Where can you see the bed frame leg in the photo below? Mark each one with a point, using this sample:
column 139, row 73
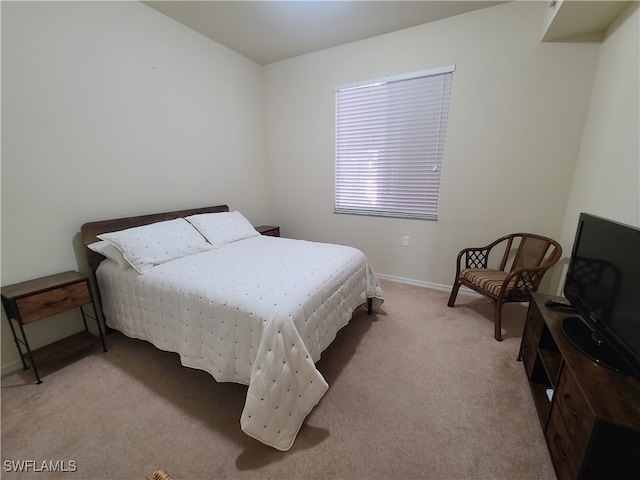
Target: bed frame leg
column 369, row 306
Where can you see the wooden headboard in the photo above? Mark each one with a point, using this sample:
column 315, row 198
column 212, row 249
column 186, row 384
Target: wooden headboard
column 91, row 230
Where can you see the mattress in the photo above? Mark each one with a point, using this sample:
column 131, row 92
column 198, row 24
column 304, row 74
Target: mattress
column 259, row 312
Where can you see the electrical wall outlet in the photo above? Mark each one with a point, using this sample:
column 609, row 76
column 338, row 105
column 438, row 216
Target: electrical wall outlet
column 405, row 241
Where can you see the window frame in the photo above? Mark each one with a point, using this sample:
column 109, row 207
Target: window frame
column 403, row 200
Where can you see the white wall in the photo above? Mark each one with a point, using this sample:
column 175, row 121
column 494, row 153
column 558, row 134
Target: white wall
column 112, row 109
column 607, row 176
column 517, row 112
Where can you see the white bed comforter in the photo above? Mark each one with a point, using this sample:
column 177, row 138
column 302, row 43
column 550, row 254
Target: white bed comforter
column 258, row 311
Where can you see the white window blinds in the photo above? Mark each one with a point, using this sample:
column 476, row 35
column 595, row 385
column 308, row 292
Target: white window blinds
column 390, row 136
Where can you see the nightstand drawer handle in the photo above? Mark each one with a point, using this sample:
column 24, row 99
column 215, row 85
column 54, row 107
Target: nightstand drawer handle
column 558, row 443
column 568, row 400
column 55, row 304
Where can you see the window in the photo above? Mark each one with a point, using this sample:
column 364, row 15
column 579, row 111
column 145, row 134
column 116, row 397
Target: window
column 390, row 136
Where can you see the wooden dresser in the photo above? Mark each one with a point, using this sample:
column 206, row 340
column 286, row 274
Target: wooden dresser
column 590, row 415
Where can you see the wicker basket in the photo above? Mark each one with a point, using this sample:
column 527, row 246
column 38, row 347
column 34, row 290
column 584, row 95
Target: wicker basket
column 159, row 475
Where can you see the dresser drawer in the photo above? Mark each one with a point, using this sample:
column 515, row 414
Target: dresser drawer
column 61, row 299
column 577, row 415
column 561, row 446
column 528, row 352
column 534, row 324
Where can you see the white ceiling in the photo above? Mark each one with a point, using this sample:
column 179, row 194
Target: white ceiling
column 270, row 31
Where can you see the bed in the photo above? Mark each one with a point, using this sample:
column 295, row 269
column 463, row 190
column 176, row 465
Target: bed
column 247, row 308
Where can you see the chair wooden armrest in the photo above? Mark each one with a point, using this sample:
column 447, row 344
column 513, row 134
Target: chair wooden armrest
column 478, row 257
column 525, row 281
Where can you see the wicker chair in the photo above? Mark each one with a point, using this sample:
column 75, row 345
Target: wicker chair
column 534, row 255
column 159, row 475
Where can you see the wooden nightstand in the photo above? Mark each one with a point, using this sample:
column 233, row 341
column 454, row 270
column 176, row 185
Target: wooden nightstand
column 269, row 230
column 34, row 300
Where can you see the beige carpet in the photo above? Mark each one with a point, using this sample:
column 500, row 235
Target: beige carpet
column 418, row 390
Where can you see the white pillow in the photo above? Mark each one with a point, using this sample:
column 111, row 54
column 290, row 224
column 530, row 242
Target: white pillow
column 150, row 245
column 105, row 249
column 223, row 227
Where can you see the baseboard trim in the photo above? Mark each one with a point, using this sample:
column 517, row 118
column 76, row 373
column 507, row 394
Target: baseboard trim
column 411, row 281
column 11, row 367
column 420, row 283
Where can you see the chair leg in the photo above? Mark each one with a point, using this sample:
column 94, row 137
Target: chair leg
column 454, row 293
column 498, row 320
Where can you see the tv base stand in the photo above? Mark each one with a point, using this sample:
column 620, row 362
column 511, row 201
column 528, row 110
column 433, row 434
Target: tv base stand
column 590, row 415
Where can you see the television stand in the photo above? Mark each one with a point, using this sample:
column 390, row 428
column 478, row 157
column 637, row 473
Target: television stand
column 590, row 415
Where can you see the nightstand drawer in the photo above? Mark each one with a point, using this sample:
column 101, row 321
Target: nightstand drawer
column 578, row 417
column 61, row 299
column 561, row 447
column 528, row 352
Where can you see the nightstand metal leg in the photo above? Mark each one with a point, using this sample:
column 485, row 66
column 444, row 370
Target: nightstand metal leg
column 31, row 360
column 15, row 339
column 96, row 318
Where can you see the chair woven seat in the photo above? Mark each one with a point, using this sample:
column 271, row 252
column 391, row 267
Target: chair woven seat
column 530, row 256
column 487, row 279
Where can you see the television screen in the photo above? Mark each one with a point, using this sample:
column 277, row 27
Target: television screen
column 603, row 284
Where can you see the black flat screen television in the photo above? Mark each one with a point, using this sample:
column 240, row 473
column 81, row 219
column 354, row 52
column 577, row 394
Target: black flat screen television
column 603, row 284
